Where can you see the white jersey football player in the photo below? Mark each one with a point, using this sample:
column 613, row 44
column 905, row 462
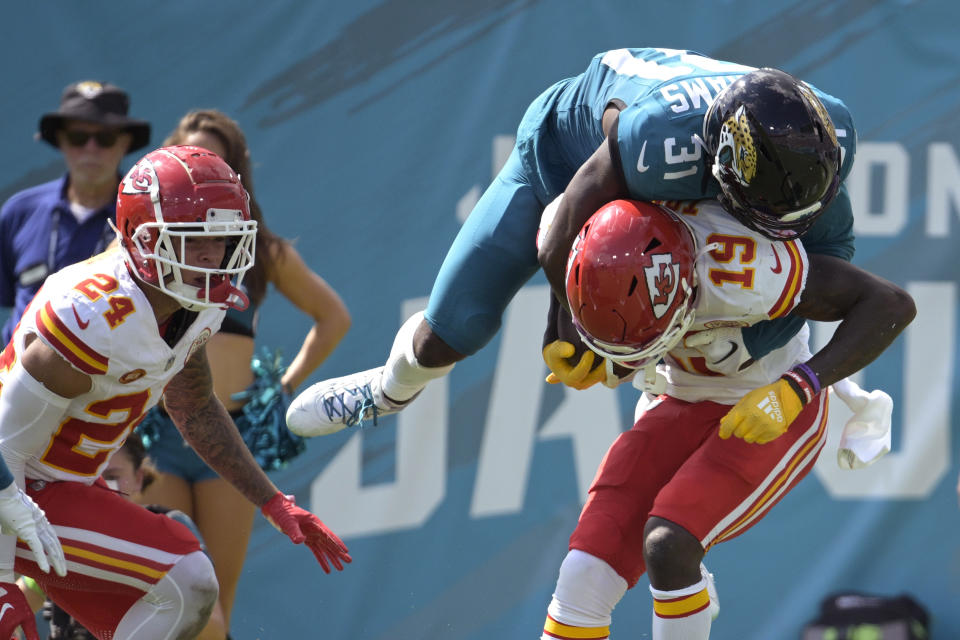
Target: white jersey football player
column 646, row 283
column 102, row 342
column 742, row 278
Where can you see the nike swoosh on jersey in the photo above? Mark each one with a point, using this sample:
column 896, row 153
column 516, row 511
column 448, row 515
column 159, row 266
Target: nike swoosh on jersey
column 778, row 268
column 83, row 324
column 640, row 166
column 4, row 608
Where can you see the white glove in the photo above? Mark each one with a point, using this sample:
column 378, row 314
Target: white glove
column 722, row 348
column 20, row 516
column 866, row 436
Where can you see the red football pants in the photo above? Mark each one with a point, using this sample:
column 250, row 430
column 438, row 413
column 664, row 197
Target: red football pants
column 673, row 464
column 115, row 550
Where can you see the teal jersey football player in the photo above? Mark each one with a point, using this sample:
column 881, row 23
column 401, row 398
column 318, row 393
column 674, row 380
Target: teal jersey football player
column 662, row 96
column 643, row 124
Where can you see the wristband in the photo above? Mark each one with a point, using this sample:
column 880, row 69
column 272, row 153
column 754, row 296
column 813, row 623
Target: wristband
column 803, row 381
column 811, row 377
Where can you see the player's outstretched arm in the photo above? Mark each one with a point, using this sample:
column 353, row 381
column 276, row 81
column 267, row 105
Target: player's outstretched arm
column 209, row 429
column 872, row 313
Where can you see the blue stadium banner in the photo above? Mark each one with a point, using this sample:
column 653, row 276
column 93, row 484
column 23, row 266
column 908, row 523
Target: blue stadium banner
column 374, row 127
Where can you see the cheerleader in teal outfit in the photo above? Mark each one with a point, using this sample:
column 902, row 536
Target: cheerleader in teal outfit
column 254, row 388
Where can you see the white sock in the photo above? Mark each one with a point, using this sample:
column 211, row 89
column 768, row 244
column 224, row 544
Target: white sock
column 404, row 377
column 683, row 614
column 582, row 606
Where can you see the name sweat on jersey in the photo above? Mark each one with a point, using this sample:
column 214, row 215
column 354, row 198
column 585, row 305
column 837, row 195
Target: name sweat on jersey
column 96, row 316
column 745, row 279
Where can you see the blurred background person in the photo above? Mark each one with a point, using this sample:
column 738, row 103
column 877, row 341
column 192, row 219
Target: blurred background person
column 63, row 221
column 255, row 389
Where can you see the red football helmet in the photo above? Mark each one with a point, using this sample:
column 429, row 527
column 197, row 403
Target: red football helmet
column 176, row 194
column 630, row 281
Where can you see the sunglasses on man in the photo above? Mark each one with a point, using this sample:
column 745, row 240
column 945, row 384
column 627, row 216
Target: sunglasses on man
column 104, row 139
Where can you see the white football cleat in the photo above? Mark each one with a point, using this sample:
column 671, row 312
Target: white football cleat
column 711, row 591
column 332, row 405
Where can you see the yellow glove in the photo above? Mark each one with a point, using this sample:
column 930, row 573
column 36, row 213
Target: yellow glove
column 581, row 376
column 763, row 414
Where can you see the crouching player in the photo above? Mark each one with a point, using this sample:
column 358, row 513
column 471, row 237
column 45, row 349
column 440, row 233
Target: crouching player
column 645, row 283
column 99, row 345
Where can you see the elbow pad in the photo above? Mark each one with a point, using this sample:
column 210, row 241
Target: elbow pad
column 29, row 414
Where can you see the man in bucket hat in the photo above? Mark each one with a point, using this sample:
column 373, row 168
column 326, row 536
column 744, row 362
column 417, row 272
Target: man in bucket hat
column 52, row 225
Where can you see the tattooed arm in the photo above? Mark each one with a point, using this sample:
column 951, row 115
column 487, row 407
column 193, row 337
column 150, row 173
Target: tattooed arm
column 209, row 429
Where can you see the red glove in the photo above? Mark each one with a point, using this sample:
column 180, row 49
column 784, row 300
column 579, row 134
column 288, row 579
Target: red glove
column 302, row 526
column 15, row 612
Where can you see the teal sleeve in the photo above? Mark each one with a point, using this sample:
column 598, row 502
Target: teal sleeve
column 831, row 235
column 764, row 337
